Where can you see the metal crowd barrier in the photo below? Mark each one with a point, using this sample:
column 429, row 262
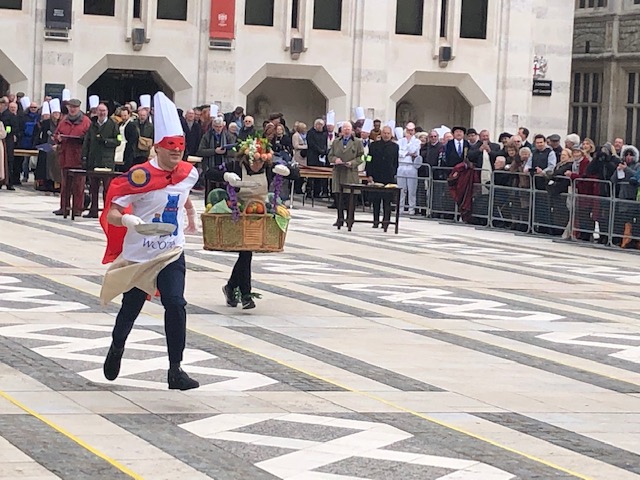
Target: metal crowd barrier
column 442, row 203
column 511, row 205
column 592, row 209
column 625, row 223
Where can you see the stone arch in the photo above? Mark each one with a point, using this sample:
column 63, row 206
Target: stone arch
column 13, row 76
column 336, row 98
column 458, row 95
column 167, row 71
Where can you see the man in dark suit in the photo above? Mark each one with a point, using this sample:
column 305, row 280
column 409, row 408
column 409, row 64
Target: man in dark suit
column 474, row 139
column 457, row 149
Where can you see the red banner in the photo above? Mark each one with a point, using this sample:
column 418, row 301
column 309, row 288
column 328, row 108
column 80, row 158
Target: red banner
column 223, row 15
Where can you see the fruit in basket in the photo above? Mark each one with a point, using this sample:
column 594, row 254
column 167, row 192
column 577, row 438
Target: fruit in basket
column 220, row 207
column 209, row 207
column 283, row 211
column 255, row 208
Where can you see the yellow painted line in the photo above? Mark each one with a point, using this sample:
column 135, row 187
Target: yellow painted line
column 72, row 437
column 364, row 394
column 401, row 408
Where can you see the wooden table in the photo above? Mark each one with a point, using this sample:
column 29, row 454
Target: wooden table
column 94, row 188
column 353, row 190
column 317, row 173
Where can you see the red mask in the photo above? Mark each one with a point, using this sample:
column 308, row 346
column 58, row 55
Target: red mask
column 173, row 143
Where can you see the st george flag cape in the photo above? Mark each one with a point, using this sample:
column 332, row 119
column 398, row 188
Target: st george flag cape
column 140, row 179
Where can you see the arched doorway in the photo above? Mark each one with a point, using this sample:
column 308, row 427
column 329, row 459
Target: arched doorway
column 4, row 86
column 118, row 86
column 430, row 106
column 299, row 100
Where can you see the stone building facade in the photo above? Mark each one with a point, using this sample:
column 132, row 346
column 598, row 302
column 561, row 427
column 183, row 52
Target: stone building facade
column 605, row 86
column 434, row 62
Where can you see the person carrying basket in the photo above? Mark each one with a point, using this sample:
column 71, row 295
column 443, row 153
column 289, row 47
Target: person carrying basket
column 255, row 213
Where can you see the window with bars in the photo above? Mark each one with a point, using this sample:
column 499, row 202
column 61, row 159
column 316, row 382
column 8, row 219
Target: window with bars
column 172, row 10
column 409, row 15
column 594, row 3
column 327, row 15
column 11, row 4
column 258, row 12
column 586, row 97
column 633, row 108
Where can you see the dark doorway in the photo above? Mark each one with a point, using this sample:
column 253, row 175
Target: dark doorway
column 117, row 87
column 4, row 86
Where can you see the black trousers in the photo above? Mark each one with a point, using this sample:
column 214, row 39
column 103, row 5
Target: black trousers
column 15, row 170
column 171, row 287
column 241, row 274
column 378, row 199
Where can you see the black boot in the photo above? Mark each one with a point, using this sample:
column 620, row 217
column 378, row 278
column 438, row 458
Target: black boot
column 112, row 363
column 179, row 380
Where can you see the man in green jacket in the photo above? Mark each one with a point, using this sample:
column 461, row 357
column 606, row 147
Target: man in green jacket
column 99, row 149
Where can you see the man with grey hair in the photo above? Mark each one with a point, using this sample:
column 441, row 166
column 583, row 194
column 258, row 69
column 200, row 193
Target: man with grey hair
column 248, row 129
column 215, row 145
column 571, row 140
column 144, row 141
column 345, row 155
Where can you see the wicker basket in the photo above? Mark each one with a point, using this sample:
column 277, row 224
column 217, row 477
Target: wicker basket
column 252, row 232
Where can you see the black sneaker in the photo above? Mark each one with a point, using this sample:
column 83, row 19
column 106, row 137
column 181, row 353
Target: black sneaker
column 112, row 363
column 247, row 302
column 179, row 380
column 230, row 296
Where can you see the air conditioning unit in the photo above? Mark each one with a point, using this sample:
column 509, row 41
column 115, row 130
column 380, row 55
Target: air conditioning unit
column 220, row 44
column 59, row 35
column 138, row 38
column 444, row 56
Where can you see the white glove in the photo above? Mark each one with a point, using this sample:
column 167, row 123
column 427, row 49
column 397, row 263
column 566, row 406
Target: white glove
column 192, row 227
column 231, row 178
column 281, row 170
column 130, row 221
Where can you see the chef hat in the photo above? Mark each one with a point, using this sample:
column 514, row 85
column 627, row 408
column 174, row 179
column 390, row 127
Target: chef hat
column 360, row 113
column 25, row 102
column 66, row 95
column 367, row 126
column 166, row 120
column 46, row 110
column 391, row 124
column 54, row 105
column 213, row 110
column 145, row 101
column 331, row 117
column 399, row 131
column 94, row 101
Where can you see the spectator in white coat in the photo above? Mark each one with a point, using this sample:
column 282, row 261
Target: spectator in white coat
column 409, row 161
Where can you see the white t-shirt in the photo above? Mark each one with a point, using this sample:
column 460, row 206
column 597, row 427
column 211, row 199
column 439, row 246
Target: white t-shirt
column 166, row 206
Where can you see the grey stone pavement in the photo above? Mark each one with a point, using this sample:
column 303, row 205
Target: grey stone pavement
column 445, row 352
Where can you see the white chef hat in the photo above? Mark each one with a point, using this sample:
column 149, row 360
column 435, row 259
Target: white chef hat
column 399, row 131
column 360, row 113
column 145, row 101
column 46, row 110
column 54, row 105
column 66, row 95
column 94, row 101
column 391, row 124
column 166, row 120
column 213, row 110
column 25, row 102
column 367, row 126
column 331, row 117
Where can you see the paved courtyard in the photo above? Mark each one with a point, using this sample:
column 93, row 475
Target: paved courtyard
column 445, row 352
